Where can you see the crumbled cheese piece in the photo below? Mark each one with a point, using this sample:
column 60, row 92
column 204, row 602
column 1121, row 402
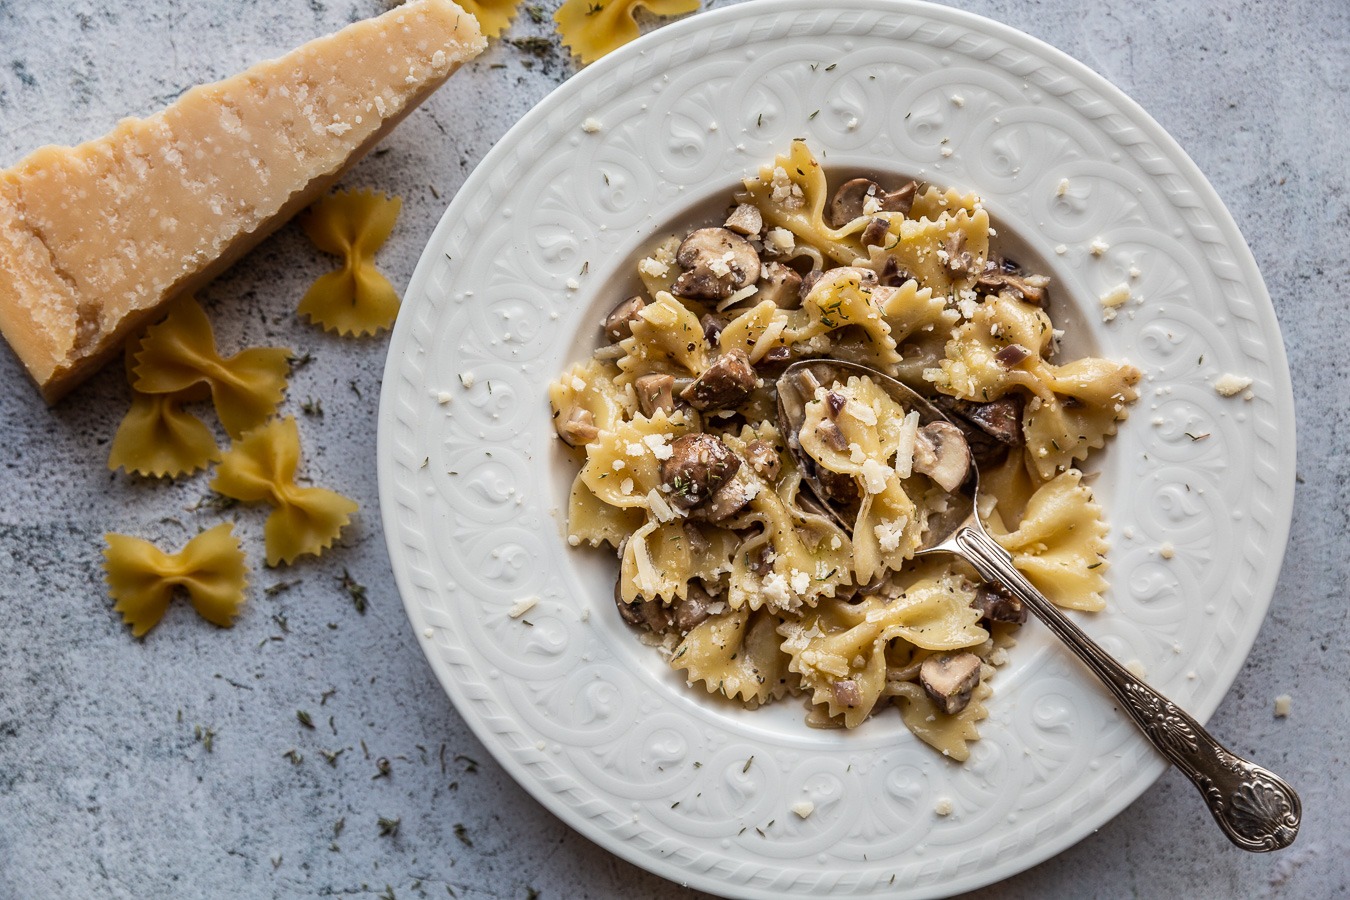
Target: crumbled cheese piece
column 573, row 540
column 958, row 101
column 943, row 807
column 888, row 533
column 578, row 383
column 653, row 267
column 1282, row 704
column 905, row 442
column 871, row 205
column 874, row 475
column 618, row 465
column 775, row 590
column 443, row 397
column 1230, row 385
column 967, row 305
column 999, row 657
column 856, row 454
column 835, row 542
column 659, row 507
column 946, row 151
column 801, row 581
column 785, row 191
column 780, row 240
column 633, row 448
column 1062, row 188
column 1113, row 299
column 591, row 125
column 862, row 412
column 752, row 490
column 659, row 444
column 1061, row 249
column 803, row 808
column 1134, row 272
column 1167, row 551
column 1136, row 668
column 720, row 266
column 852, row 123
column 339, row 128
column 466, row 379
column 1098, row 247
column 573, row 284
column 626, row 487
column 521, row 607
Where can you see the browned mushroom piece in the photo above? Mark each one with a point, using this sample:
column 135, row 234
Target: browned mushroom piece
column 780, row 285
column 713, row 325
column 1011, row 356
column 655, row 391
column 959, row 260
column 763, row 458
column 846, row 693
column 723, row 385
column 649, row 614
column 694, row 609
column 731, row 497
column 900, row 200
column 892, row 275
column 774, row 361
column 874, row 235
column 717, row 263
column 809, row 281
column 850, row 200
column 745, row 219
column 998, row 604
column 698, row 465
column 941, row 453
column 1006, row 277
column 578, row 429
column 949, row 679
column 761, row 563
column 619, row 323
column 1001, row 419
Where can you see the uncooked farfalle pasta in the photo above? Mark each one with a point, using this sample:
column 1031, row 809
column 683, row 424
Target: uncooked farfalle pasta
column 727, row 564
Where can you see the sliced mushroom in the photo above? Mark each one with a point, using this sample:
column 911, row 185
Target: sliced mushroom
column 655, row 392
column 774, row 361
column 809, row 281
column 578, row 429
column 723, row 385
column 698, row 465
column 874, row 235
column 745, row 219
column 1006, row 277
column 780, row 285
column 1001, row 419
column 731, row 497
column 619, row 323
column 718, row 263
column 713, row 325
column 1012, row 355
column 846, row 693
column 900, row 200
column 950, row 679
column 850, row 200
column 997, row 604
column 764, row 459
column 694, row 609
column 892, row 275
column 762, row 562
column 649, row 614
column 959, row 260
column 941, row 453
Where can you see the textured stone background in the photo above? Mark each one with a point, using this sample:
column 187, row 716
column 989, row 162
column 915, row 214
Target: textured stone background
column 106, row 788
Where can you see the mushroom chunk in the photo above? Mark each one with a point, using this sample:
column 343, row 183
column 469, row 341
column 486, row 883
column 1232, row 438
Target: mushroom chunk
column 941, row 453
column 775, row 360
column 745, row 219
column 763, row 458
column 723, row 385
column 717, row 263
column 578, row 429
column 950, row 679
column 655, row 392
column 713, row 325
column 649, row 614
column 846, row 693
column 809, row 281
column 959, row 260
column 1011, row 356
column 733, row 496
column 1006, row 277
column 698, row 465
column 850, row 200
column 874, row 235
column 996, row 604
column 780, row 285
column 1001, row 419
column 694, row 609
column 619, row 323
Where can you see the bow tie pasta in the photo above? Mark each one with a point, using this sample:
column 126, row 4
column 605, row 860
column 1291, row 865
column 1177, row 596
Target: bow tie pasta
column 727, row 563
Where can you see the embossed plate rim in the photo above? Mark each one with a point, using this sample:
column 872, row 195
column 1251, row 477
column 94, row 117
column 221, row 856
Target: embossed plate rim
column 393, row 472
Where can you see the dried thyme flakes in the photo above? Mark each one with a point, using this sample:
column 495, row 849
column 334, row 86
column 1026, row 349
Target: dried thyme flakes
column 388, row 827
column 304, row 718
column 355, row 590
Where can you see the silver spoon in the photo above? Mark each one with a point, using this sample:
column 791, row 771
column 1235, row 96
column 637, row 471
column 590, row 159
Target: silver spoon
column 1254, row 806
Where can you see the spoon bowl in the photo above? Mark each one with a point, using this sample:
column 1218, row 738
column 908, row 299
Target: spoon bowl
column 1256, row 809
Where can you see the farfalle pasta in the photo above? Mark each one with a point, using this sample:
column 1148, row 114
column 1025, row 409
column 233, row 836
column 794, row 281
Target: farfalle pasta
column 260, row 468
column 210, row 569
column 180, row 353
column 592, row 28
column 493, row 15
column 724, row 558
column 356, row 299
column 157, row 437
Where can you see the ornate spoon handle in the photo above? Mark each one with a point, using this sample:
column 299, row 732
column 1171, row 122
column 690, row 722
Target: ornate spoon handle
column 1254, row 806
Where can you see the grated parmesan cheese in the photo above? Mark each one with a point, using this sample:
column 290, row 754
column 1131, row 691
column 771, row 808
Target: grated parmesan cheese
column 803, row 808
column 521, row 607
column 1230, row 385
column 653, row 267
column 905, row 442
column 775, row 589
column 780, row 240
column 888, row 533
column 874, row 475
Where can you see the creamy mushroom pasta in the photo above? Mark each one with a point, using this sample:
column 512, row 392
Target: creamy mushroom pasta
column 726, row 561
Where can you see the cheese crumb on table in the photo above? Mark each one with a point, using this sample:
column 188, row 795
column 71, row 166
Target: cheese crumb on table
column 1098, row 247
column 1230, row 385
column 1113, row 299
column 943, row 807
column 1282, row 704
column 521, row 607
column 591, row 125
column 803, row 808
column 1167, row 551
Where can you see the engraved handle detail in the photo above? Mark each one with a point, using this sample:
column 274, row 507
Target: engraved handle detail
column 1254, row 806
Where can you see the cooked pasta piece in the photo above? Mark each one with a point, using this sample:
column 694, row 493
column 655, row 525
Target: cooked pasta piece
column 157, row 437
column 356, row 299
column 180, row 353
column 142, row 578
column 260, row 468
column 737, row 655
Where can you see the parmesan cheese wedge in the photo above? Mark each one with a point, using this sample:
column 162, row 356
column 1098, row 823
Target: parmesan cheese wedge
column 95, row 239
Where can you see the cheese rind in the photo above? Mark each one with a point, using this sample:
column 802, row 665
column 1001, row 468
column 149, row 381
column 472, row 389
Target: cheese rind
column 94, row 239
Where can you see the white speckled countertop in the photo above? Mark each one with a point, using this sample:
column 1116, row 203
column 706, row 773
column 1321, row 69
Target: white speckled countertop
column 109, row 784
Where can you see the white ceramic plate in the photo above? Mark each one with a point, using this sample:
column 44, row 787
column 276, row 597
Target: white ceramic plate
column 532, row 252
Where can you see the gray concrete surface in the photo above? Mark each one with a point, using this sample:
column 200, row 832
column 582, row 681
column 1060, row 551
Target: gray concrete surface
column 164, row 768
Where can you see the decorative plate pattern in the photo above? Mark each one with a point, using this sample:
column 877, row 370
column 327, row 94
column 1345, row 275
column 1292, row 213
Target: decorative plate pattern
column 529, row 256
